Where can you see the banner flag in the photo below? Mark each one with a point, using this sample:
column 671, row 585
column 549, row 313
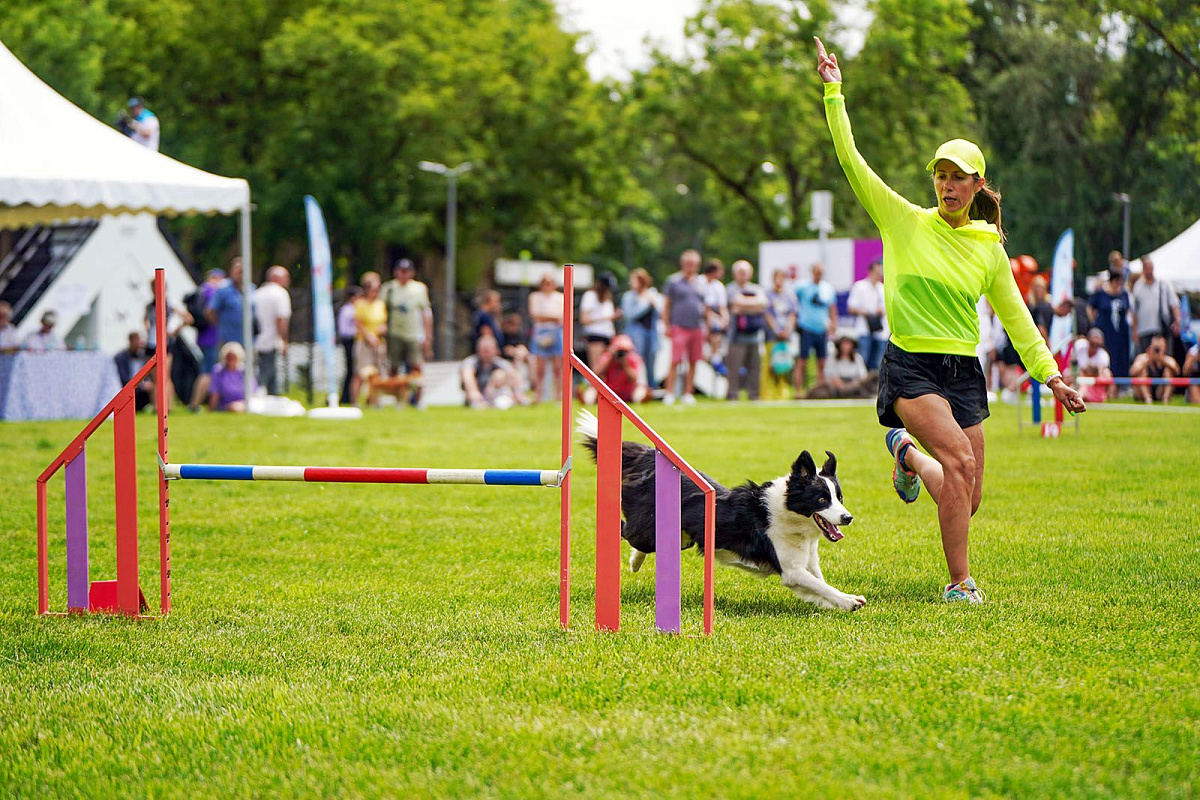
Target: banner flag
column 322, row 269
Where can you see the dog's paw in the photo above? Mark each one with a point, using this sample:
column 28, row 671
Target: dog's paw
column 849, row 602
column 635, row 560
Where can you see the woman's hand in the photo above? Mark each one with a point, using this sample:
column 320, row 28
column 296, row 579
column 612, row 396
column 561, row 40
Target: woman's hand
column 827, row 66
column 1071, row 399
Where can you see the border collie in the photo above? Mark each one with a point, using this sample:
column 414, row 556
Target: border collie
column 767, row 529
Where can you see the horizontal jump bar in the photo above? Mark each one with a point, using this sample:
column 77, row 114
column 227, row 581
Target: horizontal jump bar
column 1089, row 381
column 480, row 477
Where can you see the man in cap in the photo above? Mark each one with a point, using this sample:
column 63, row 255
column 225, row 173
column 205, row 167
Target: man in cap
column 44, row 339
column 409, row 323
column 141, row 124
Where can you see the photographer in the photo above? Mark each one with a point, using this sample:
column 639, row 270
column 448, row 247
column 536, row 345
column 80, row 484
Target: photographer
column 623, row 370
column 139, row 123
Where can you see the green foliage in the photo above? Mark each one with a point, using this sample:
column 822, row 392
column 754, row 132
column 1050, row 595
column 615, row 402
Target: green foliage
column 344, row 641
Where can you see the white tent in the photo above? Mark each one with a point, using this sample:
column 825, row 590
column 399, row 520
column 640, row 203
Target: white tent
column 1177, row 261
column 59, row 163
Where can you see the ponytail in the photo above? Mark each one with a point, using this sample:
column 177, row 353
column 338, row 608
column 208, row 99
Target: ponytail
column 986, row 206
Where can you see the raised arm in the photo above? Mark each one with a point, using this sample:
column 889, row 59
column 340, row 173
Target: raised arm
column 885, row 206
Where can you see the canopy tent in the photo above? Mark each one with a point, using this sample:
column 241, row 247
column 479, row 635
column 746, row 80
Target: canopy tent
column 59, row 163
column 1177, row 261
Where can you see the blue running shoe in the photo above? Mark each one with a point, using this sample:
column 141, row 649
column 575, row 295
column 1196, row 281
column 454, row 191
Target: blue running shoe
column 963, row 592
column 907, row 482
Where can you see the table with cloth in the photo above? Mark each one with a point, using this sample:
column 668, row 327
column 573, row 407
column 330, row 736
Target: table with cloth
column 56, row 385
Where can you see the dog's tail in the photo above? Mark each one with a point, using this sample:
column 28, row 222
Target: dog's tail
column 588, row 427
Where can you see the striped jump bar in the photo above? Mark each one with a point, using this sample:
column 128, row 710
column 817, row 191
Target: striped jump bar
column 481, row 477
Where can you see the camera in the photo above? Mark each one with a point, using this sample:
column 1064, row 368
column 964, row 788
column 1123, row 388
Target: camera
column 622, row 353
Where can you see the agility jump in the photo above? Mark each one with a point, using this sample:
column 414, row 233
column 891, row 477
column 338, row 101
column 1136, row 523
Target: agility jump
column 124, row 595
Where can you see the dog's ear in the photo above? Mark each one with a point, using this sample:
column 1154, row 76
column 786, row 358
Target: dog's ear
column 804, row 467
column 830, row 466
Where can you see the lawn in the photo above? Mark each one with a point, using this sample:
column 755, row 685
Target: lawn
column 340, row 640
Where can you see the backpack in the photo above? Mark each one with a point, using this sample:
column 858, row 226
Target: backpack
column 195, row 303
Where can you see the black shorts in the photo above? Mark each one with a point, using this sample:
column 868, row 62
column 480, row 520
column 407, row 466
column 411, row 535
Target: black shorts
column 593, row 338
column 959, row 379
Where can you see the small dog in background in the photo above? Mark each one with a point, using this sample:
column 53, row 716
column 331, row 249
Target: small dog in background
column 768, row 529
column 397, row 386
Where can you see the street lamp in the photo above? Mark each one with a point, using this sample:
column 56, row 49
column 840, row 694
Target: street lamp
column 1124, row 198
column 451, row 174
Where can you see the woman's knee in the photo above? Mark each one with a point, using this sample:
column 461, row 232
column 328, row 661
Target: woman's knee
column 958, row 465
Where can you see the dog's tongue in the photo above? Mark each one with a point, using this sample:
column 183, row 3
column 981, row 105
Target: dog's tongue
column 833, row 535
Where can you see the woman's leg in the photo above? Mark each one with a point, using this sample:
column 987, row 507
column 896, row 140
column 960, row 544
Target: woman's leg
column 594, row 351
column 952, row 473
column 558, row 368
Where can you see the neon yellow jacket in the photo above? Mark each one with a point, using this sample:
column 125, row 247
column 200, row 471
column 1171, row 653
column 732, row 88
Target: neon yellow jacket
column 934, row 274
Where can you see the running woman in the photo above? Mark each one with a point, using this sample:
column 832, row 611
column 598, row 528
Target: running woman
column 939, row 262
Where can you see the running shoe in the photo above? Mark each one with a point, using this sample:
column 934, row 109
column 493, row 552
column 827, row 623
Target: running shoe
column 688, row 400
column 906, row 482
column 963, row 592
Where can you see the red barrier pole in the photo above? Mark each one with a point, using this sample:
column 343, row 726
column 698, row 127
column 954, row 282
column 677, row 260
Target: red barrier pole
column 564, row 498
column 160, row 400
column 42, row 550
column 125, row 474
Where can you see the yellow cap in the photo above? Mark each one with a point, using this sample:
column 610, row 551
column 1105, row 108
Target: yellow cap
column 966, row 155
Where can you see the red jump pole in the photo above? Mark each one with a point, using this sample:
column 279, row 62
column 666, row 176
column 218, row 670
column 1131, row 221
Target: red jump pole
column 564, row 498
column 42, row 550
column 160, row 401
column 125, row 473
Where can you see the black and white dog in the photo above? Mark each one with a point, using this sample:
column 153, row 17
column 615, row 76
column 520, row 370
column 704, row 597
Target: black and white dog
column 767, row 529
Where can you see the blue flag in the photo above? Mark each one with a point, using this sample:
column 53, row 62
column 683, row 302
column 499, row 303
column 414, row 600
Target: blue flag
column 322, row 275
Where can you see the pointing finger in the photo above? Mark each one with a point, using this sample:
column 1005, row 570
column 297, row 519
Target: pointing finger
column 820, row 47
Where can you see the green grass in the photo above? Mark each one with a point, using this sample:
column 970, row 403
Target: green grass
column 403, row 641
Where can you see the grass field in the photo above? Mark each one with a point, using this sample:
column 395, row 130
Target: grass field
column 403, row 641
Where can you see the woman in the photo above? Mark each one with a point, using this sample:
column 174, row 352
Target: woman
column 370, row 337
column 598, row 314
column 941, row 260
column 347, row 330
column 228, row 389
column 546, row 342
column 640, row 310
column 846, row 373
column 1108, row 310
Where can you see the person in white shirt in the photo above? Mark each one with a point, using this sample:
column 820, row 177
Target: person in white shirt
column 10, row 340
column 598, row 313
column 1092, row 361
column 141, row 124
column 44, row 339
column 716, row 313
column 273, row 310
column 865, row 303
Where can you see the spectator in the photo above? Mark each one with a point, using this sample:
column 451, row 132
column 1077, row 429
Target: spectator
column 870, row 315
column 273, row 310
column 782, row 312
column 514, row 343
column 128, row 362
column 1154, row 363
column 747, row 312
column 1092, row 361
column 683, row 308
column 225, row 308
column 546, row 343
column 140, row 124
column 485, row 321
column 206, row 333
column 640, row 310
column 44, row 339
column 716, row 313
column 1117, row 265
column 488, row 380
column 1109, row 311
column 409, row 323
column 229, row 380
column 1155, row 308
column 370, row 330
column 598, row 314
column 10, row 340
column 1039, row 306
column 1191, row 369
column 817, row 320
column 846, row 374
column 623, row 370
column 346, row 330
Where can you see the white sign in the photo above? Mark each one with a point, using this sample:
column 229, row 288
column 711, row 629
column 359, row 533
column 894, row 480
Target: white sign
column 512, row 272
column 797, row 256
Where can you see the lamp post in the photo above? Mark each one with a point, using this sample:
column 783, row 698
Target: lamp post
column 1124, row 199
column 451, row 174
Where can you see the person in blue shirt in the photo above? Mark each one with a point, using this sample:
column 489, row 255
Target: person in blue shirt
column 224, row 308
column 140, row 124
column 816, row 321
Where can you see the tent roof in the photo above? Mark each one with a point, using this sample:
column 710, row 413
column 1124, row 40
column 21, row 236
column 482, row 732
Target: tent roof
column 57, row 162
column 1178, row 261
